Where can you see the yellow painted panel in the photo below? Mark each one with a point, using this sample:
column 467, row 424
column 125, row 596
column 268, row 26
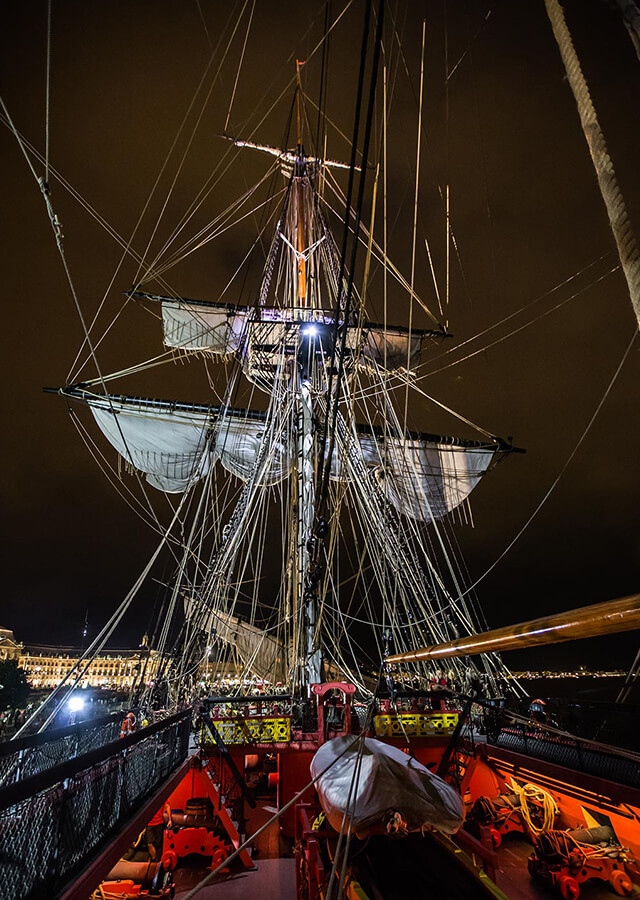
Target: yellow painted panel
column 416, row 724
column 254, row 731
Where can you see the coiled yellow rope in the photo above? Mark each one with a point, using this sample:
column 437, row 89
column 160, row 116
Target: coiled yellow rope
column 540, row 800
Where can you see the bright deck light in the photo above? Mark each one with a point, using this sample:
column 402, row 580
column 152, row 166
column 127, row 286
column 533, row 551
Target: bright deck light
column 75, row 704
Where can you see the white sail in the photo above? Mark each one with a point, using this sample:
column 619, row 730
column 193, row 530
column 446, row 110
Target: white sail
column 220, row 329
column 175, row 445
column 260, row 652
column 175, row 448
column 427, row 479
column 213, row 329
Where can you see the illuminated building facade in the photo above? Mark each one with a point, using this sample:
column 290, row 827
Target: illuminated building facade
column 9, row 647
column 45, row 667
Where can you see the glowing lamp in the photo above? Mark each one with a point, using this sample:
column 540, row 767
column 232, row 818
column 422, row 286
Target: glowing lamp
column 75, row 704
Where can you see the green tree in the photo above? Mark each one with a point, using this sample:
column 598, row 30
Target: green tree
column 14, row 688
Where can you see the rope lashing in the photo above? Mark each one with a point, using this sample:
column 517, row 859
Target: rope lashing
column 56, row 224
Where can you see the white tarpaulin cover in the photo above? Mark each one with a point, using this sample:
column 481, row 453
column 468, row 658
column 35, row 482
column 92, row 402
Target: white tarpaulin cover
column 389, row 780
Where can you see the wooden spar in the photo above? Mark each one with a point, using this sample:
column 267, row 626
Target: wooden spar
column 588, row 621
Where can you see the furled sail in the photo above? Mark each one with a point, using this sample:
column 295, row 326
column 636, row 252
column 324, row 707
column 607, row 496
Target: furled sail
column 176, row 444
column 423, row 476
column 260, row 651
column 392, row 348
column 427, row 478
column 221, row 329
column 212, row 328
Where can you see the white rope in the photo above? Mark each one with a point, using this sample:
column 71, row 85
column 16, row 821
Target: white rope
column 47, row 95
column 562, row 470
column 415, row 222
column 235, row 84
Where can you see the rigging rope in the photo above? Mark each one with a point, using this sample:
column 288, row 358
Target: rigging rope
column 415, row 222
column 324, row 482
column 204, row 25
column 235, row 84
column 48, row 80
column 562, row 470
column 625, row 239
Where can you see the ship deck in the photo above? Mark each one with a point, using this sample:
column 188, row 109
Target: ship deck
column 513, row 878
column 247, row 782
column 272, row 879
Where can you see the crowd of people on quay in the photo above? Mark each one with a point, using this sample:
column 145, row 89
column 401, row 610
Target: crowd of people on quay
column 79, row 706
column 255, row 698
column 11, row 720
column 438, row 692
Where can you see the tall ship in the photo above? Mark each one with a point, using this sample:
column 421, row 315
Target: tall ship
column 328, row 714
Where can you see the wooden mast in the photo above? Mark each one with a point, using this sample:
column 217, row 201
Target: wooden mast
column 588, row 621
column 300, row 230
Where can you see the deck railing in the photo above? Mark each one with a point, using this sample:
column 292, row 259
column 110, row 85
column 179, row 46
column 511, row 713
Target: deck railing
column 591, row 757
column 26, row 756
column 52, row 823
column 544, row 740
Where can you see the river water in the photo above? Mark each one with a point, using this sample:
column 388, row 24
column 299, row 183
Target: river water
column 585, row 688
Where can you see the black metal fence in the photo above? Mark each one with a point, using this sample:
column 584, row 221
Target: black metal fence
column 26, row 756
column 54, row 822
column 621, row 766
column 596, row 720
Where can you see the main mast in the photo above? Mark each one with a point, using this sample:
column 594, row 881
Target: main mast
column 306, row 606
column 286, row 346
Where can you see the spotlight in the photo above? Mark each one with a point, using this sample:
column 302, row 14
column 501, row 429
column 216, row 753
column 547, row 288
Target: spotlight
column 310, row 330
column 75, row 704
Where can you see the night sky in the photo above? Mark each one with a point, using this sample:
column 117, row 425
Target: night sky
column 525, row 210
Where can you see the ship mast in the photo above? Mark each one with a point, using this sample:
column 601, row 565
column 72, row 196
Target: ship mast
column 300, row 229
column 306, row 606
